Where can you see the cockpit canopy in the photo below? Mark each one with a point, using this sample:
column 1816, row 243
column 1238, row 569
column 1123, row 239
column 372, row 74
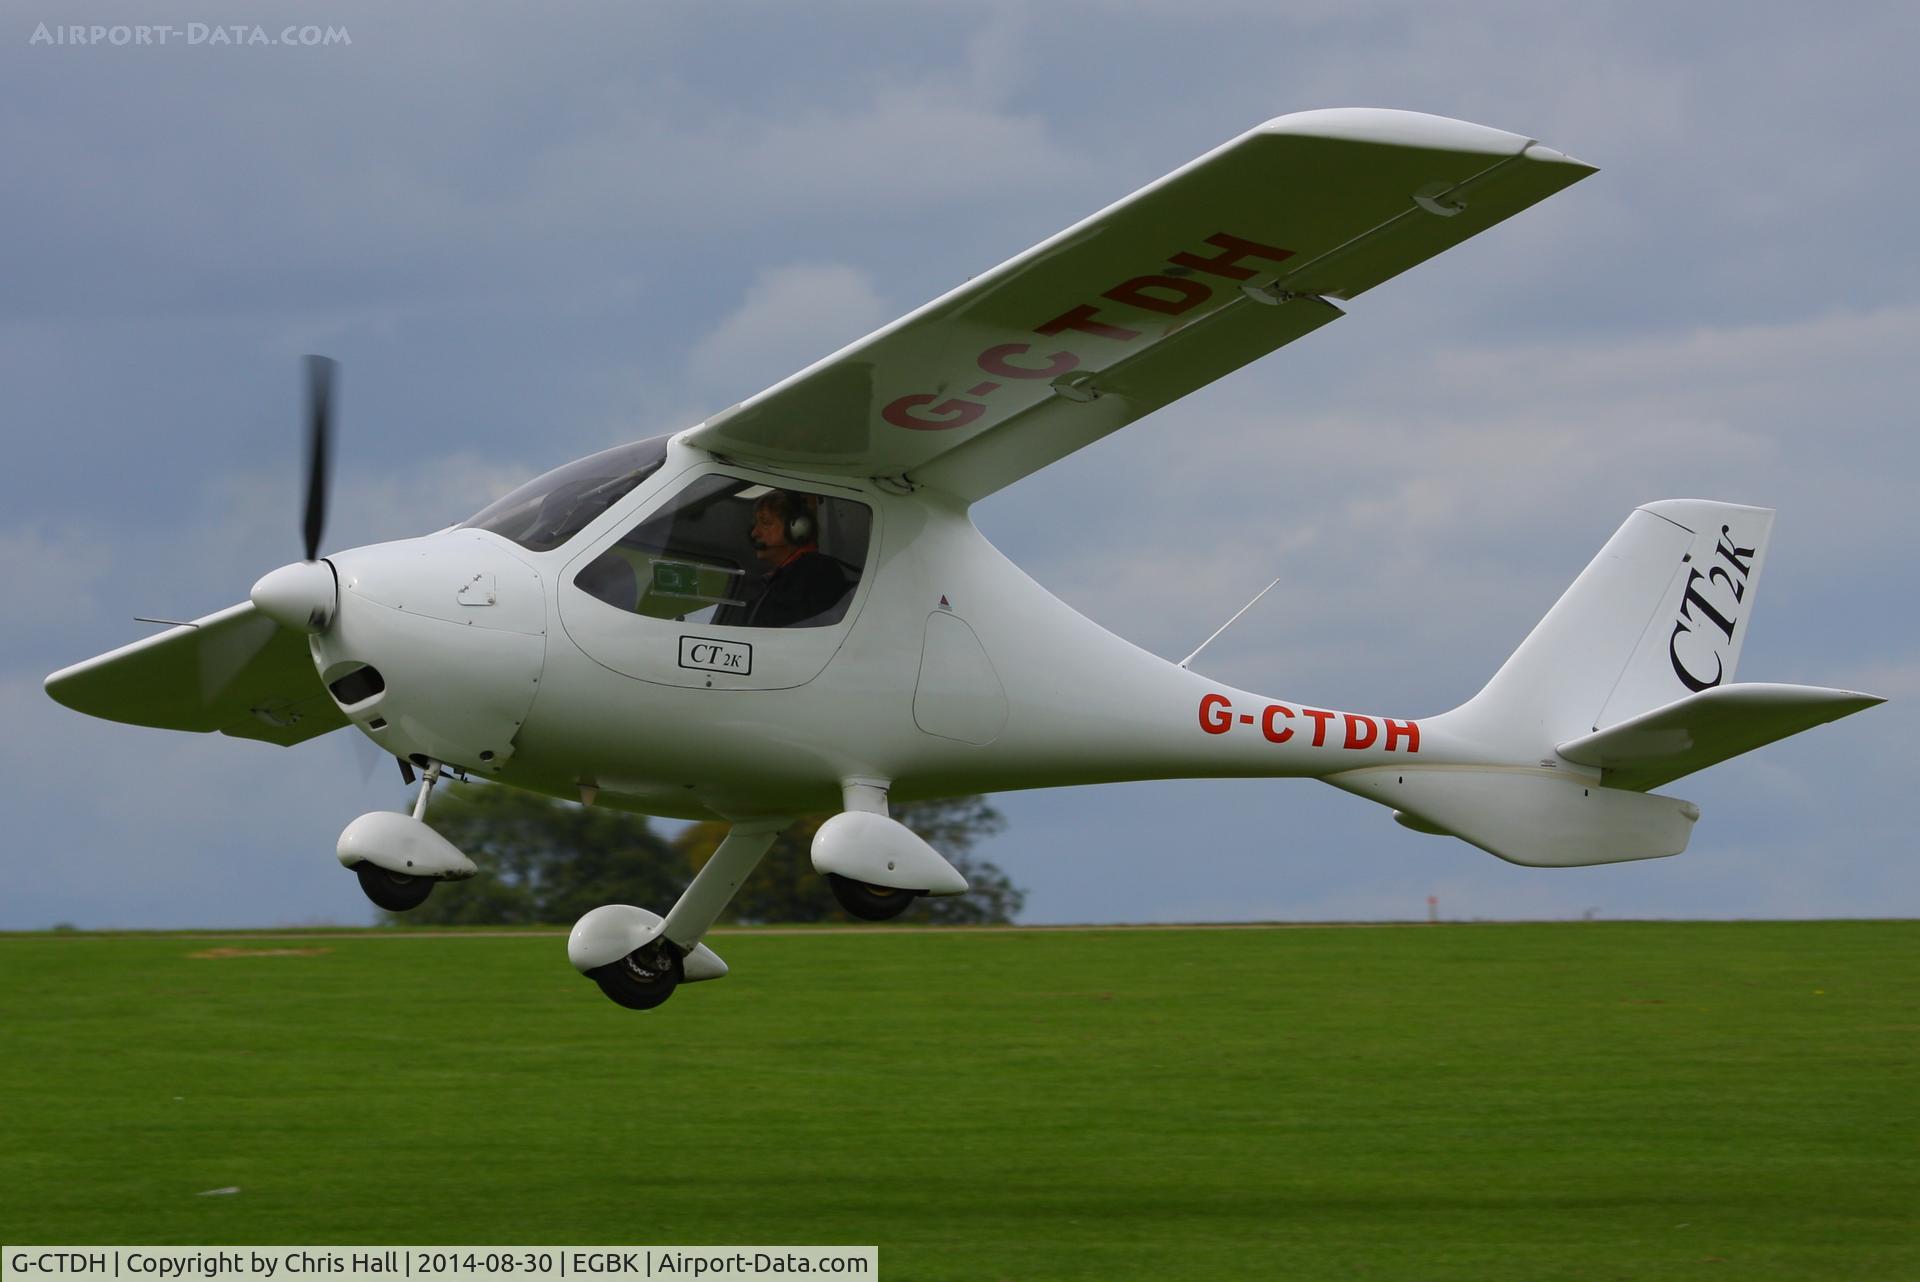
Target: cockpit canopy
column 550, row 509
column 733, row 552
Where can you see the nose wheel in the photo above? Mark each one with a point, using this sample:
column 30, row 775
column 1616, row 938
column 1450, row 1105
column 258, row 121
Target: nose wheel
column 397, row 858
column 396, row 892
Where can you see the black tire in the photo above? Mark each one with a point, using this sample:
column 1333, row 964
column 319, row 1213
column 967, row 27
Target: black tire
column 394, row 891
column 869, row 902
column 643, row 978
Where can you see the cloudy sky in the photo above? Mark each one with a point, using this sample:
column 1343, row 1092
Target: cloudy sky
column 530, row 236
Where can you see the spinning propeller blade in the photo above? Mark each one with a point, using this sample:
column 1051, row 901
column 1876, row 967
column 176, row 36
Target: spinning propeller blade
column 302, row 596
column 320, row 377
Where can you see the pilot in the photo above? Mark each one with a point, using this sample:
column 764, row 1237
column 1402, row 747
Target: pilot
column 801, row 581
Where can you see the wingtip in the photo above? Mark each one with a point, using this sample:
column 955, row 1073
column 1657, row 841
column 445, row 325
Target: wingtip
column 52, row 683
column 1392, row 127
column 1546, row 155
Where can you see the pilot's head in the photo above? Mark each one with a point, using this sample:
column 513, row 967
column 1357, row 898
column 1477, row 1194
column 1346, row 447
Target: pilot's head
column 783, row 523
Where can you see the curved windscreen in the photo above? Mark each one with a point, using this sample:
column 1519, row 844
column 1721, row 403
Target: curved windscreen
column 550, row 509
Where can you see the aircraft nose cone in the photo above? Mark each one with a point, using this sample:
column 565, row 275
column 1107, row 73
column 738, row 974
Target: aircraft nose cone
column 301, row 596
column 454, row 627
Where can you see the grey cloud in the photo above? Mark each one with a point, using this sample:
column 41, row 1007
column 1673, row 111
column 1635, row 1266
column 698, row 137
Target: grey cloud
column 791, row 317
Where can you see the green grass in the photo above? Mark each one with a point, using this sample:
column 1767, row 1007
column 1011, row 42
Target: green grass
column 1591, row 1101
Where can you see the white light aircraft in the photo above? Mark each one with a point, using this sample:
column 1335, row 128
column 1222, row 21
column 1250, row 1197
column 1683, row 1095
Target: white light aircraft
column 786, row 608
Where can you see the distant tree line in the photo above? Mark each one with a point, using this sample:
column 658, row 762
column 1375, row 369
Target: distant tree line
column 544, row 861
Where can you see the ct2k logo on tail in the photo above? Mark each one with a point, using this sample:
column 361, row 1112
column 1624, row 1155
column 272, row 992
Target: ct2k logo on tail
column 1276, row 725
column 1709, row 612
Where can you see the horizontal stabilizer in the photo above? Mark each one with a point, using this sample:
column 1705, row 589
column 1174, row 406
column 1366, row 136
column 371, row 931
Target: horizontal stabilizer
column 1696, row 732
column 235, row 671
column 1531, row 817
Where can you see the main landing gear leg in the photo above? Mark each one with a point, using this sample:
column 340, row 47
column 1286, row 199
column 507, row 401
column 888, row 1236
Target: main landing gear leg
column 740, row 852
column 650, row 954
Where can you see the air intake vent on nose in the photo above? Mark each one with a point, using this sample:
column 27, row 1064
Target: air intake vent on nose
column 358, row 686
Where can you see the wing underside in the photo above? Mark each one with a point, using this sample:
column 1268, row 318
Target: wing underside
column 236, row 671
column 1222, row 261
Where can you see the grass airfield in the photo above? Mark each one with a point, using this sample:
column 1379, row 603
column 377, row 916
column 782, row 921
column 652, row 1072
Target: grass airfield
column 1579, row 1101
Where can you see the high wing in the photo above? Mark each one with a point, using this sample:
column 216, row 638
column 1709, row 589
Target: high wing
column 235, row 671
column 1226, row 259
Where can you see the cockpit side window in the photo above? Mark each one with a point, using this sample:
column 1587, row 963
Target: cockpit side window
column 548, row 510
column 738, row 553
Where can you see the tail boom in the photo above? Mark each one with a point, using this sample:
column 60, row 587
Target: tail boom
column 1537, row 817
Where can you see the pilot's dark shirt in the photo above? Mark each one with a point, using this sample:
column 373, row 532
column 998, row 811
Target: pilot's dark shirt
column 808, row 585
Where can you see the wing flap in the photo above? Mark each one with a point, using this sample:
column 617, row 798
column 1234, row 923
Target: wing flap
column 1706, row 728
column 235, row 671
column 1146, row 300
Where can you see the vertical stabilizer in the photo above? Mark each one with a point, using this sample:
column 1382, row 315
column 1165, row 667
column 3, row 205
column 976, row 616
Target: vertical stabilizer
column 1693, row 641
column 1660, row 614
